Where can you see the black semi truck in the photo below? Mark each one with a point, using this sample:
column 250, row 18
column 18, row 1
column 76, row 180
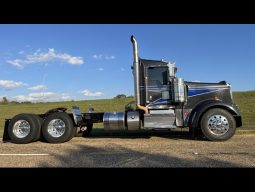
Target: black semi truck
column 162, row 102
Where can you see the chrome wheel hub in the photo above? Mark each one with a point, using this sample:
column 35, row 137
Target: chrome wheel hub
column 218, row 125
column 21, row 129
column 56, row 128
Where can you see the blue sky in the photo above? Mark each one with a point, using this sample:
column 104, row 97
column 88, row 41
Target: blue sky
column 64, row 62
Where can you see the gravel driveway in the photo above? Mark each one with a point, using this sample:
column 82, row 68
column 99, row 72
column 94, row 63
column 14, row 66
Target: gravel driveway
column 132, row 150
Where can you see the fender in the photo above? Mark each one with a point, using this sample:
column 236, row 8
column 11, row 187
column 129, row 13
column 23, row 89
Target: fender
column 6, row 137
column 204, row 106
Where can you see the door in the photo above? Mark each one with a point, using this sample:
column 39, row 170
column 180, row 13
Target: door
column 158, row 87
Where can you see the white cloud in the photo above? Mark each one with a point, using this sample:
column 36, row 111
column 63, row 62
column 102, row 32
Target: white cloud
column 101, row 56
column 42, row 57
column 100, row 69
column 42, row 97
column 16, row 63
column 65, row 97
column 35, row 97
column 37, row 88
column 196, row 81
column 9, row 84
column 88, row 93
column 109, row 57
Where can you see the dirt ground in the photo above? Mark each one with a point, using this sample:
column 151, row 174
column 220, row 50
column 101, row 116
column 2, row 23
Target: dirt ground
column 132, row 150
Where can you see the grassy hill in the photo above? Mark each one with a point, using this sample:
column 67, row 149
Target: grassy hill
column 245, row 101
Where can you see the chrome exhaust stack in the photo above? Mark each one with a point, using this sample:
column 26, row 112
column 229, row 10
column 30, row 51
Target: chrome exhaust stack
column 136, row 71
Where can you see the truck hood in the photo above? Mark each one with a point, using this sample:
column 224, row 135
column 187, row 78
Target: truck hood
column 199, row 88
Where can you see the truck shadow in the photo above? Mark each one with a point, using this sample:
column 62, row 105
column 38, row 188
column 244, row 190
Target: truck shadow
column 145, row 134
column 113, row 155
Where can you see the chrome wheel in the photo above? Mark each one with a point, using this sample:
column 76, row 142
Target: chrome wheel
column 21, row 129
column 56, row 128
column 218, row 125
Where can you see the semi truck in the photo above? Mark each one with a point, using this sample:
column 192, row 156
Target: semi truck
column 162, row 102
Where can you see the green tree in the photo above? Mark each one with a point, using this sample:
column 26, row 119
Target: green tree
column 120, row 96
column 5, row 100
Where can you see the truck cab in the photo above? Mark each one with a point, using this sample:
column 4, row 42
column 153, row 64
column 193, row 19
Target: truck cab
column 170, row 102
column 157, row 84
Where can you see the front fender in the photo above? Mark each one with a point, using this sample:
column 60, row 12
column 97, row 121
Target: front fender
column 197, row 113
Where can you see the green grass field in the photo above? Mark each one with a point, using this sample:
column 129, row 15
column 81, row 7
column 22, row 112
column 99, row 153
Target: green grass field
column 245, row 101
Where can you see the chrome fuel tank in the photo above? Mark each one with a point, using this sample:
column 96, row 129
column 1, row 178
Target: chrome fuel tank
column 114, row 120
column 133, row 120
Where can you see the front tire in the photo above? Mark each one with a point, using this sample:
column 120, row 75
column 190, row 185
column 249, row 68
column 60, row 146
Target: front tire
column 218, row 125
column 57, row 128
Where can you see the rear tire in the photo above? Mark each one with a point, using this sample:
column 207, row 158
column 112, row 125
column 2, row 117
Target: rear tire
column 40, row 122
column 23, row 128
column 218, row 125
column 72, row 134
column 57, row 128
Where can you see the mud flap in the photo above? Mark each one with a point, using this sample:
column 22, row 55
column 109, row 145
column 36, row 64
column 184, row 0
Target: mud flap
column 6, row 137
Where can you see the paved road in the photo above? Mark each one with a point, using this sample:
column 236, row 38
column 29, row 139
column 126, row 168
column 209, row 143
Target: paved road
column 132, row 150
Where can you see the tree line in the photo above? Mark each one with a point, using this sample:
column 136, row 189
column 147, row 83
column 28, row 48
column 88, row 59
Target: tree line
column 121, row 96
column 5, row 101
